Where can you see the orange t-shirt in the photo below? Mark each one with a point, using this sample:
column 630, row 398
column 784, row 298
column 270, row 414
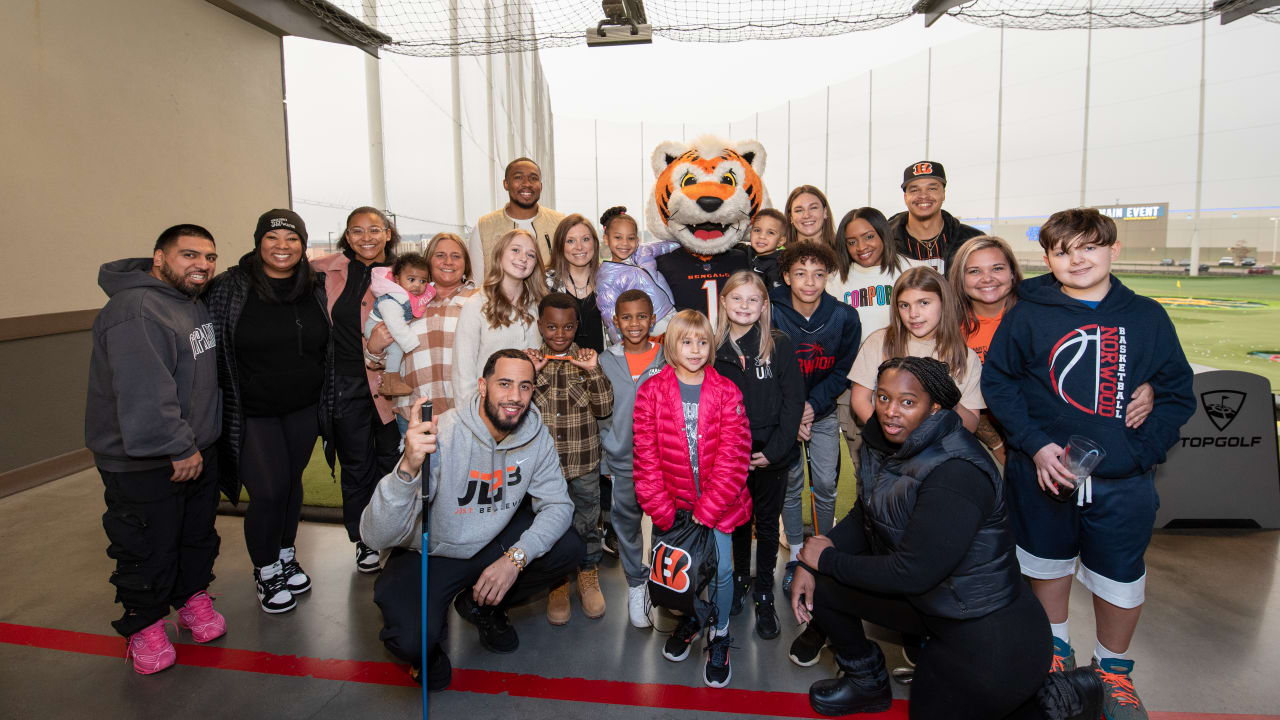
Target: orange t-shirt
column 980, row 340
column 637, row 362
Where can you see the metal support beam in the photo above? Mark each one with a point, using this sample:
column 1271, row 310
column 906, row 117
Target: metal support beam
column 934, row 9
column 293, row 18
column 1231, row 10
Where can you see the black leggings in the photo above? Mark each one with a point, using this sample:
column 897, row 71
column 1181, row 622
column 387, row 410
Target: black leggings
column 766, row 485
column 988, row 667
column 274, row 454
column 367, row 448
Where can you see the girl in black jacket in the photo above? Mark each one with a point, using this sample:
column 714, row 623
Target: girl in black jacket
column 762, row 363
column 927, row 550
column 275, row 367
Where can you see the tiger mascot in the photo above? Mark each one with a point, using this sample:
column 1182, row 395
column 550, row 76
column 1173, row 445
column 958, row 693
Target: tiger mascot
column 705, row 196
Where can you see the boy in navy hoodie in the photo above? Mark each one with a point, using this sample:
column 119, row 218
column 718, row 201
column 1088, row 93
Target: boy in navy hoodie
column 825, row 334
column 1064, row 362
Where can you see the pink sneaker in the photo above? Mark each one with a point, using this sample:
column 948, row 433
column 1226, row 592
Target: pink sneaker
column 204, row 622
column 151, row 649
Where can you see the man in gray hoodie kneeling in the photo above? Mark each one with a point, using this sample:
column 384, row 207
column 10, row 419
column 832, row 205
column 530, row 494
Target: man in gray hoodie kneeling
column 500, row 518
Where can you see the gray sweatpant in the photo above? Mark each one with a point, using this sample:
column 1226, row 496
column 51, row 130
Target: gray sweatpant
column 824, row 459
column 626, row 516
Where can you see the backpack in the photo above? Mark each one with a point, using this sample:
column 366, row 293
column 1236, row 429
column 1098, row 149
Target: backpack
column 683, row 563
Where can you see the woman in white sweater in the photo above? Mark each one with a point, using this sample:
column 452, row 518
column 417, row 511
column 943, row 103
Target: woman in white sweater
column 503, row 315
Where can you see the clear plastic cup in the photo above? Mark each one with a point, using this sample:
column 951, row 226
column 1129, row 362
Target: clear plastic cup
column 1080, row 457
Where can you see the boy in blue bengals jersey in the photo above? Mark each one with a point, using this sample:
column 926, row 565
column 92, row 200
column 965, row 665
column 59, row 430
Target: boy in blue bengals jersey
column 1064, row 362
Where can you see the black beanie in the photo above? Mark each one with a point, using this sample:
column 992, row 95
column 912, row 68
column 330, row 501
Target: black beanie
column 277, row 219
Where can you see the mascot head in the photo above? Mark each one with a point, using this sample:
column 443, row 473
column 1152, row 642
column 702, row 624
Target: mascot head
column 706, row 192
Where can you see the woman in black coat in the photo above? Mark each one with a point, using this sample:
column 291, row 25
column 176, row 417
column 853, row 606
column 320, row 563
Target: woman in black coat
column 927, row 550
column 275, row 367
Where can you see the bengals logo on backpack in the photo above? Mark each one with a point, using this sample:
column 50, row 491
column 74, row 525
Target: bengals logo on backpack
column 670, row 568
column 923, row 168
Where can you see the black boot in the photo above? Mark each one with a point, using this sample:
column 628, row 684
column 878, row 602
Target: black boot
column 1072, row 695
column 861, row 687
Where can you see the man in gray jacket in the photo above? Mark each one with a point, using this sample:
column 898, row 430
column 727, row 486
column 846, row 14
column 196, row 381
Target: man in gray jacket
column 500, row 519
column 153, row 414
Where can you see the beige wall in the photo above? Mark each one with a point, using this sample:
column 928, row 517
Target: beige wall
column 118, row 119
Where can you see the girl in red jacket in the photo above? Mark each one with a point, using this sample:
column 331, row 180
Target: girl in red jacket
column 692, row 447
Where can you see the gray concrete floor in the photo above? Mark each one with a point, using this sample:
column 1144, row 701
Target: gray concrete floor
column 1209, row 640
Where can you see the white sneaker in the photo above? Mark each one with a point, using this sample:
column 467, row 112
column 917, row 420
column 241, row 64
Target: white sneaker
column 638, row 606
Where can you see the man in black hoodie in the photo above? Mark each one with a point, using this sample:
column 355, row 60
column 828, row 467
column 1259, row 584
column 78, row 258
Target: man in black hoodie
column 926, row 231
column 152, row 417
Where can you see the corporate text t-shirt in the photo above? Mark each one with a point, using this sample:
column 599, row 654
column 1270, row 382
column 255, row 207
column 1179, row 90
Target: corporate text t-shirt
column 869, row 291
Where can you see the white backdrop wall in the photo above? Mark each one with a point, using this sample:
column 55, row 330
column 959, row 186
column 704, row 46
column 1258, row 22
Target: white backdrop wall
column 1010, row 130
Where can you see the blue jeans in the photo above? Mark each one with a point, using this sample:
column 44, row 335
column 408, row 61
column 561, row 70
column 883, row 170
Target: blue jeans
column 724, row 577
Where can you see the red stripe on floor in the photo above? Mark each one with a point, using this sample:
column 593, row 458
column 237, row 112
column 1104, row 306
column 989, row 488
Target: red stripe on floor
column 488, row 682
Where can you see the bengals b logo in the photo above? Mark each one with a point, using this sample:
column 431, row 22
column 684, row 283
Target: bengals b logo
column 670, row 567
column 923, row 168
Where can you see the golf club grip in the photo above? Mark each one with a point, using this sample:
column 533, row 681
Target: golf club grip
column 426, row 411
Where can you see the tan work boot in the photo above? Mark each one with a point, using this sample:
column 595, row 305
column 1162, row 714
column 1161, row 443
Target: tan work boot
column 393, row 386
column 589, row 589
column 558, row 604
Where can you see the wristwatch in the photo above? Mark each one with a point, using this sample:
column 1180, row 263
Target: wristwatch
column 516, row 555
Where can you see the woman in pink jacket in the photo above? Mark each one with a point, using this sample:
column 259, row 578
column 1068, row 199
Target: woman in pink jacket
column 692, row 447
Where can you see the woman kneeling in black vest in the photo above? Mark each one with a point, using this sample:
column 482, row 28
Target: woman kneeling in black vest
column 927, row 550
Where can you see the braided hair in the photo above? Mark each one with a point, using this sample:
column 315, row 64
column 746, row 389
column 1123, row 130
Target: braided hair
column 934, row 377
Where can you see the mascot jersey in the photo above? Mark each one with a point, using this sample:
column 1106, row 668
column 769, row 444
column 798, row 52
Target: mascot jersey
column 705, row 196
column 696, row 280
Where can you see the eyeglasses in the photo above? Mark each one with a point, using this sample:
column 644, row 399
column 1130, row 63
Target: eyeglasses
column 375, row 232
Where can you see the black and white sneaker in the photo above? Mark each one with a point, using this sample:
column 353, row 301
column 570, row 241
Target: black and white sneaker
column 609, row 541
column 807, row 648
column 677, row 646
column 717, row 672
column 294, row 577
column 273, row 592
column 367, row 559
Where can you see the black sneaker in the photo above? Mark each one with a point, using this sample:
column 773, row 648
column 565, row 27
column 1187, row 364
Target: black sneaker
column 439, row 671
column 367, row 559
column 496, row 633
column 677, row 646
column 806, row 649
column 609, row 541
column 741, row 591
column 717, row 671
column 766, row 616
column 789, row 576
column 273, row 592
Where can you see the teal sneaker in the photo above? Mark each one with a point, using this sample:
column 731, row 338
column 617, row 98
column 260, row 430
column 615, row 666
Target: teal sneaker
column 1064, row 657
column 1119, row 700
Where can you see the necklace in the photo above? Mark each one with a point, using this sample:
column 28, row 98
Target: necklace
column 578, row 292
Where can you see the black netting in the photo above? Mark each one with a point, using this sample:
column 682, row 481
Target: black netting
column 480, row 27
column 1034, row 15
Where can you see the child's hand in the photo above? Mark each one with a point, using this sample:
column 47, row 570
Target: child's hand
column 539, row 361
column 1050, row 472
column 1139, row 407
column 806, row 429
column 379, row 339
column 758, row 460
column 806, row 418
column 586, row 359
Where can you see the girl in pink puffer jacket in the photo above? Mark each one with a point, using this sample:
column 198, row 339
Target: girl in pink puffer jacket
column 692, row 447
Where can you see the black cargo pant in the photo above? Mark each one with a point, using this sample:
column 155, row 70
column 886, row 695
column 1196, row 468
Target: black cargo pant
column 398, row 591
column 162, row 539
column 367, row 448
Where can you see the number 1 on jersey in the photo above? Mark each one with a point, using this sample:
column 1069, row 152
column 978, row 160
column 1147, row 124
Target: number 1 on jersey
column 713, row 301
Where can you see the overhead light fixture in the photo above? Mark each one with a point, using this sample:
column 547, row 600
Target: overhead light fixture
column 624, row 23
